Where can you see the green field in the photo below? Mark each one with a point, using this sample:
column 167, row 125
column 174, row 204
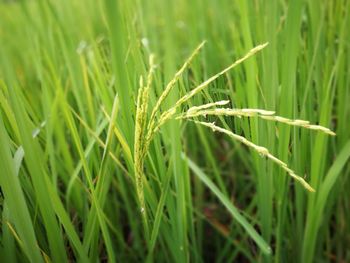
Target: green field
column 174, row 131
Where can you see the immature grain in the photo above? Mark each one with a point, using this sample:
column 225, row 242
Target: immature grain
column 263, row 114
column 139, row 145
column 260, row 150
column 152, row 124
column 171, row 112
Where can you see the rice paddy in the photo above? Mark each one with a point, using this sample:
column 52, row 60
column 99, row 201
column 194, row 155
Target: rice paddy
column 174, row 131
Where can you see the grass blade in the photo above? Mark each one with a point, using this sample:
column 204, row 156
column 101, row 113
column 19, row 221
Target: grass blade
column 265, row 248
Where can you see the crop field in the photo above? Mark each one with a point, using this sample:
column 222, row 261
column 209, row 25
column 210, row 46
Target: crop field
column 174, row 131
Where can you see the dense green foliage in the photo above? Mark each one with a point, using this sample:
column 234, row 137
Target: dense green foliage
column 69, row 81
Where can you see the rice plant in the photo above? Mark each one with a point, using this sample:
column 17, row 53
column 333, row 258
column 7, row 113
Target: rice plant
column 124, row 137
